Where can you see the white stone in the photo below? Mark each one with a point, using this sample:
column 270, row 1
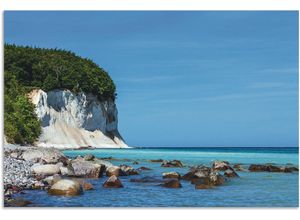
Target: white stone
column 47, row 169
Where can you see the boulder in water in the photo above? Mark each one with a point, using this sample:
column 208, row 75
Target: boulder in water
column 128, row 170
column 113, row 182
column 220, row 165
column 172, row 183
column 114, row 171
column 87, row 169
column 173, row 175
column 65, row 187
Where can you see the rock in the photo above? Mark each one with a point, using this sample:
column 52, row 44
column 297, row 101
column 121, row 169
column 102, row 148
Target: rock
column 272, row 168
column 107, row 158
column 87, row 186
column 202, row 186
column 18, row 202
column 66, row 172
column 87, row 169
column 84, row 184
column 238, row 167
column 48, row 155
column 265, row 168
column 89, row 157
column 146, row 179
column 216, row 179
column 115, row 170
column 113, row 182
column 257, row 168
column 197, row 172
column 15, row 155
column 213, row 179
column 174, row 175
column 17, row 173
column 220, row 165
column 50, row 180
column 156, row 161
column 65, row 187
column 101, row 162
column 230, row 173
column 173, row 163
column 288, row 169
column 135, row 162
column 38, row 185
column 128, row 170
column 45, row 170
column 143, row 168
column 172, row 183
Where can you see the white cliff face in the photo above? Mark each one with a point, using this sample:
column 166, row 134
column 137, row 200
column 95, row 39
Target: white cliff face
column 73, row 121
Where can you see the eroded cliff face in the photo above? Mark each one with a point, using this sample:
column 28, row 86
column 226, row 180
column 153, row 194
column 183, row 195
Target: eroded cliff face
column 76, row 120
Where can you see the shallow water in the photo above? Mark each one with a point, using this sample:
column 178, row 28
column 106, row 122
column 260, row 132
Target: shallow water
column 250, row 190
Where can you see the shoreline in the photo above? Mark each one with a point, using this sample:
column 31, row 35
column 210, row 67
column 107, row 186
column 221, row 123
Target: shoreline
column 31, row 168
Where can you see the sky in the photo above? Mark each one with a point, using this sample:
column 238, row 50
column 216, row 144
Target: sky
column 185, row 79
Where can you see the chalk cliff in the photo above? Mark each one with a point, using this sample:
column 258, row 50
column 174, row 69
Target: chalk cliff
column 76, row 120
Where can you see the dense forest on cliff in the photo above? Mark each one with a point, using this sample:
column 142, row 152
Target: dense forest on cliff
column 50, row 69
column 27, row 68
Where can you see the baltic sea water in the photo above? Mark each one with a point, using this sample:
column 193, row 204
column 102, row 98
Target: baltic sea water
column 261, row 189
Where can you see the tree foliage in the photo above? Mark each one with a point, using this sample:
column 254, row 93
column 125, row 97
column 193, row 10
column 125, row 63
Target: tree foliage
column 50, row 69
column 21, row 124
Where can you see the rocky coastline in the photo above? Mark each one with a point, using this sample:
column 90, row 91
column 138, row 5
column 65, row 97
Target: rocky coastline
column 31, row 168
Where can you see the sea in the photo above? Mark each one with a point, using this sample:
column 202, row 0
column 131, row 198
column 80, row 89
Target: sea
column 251, row 189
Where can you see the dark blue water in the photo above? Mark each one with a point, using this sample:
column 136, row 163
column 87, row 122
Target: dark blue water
column 250, row 190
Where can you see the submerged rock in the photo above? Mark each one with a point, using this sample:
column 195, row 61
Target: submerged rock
column 270, row 168
column 128, row 170
column 174, row 175
column 156, row 160
column 289, row 169
column 65, row 187
column 239, row 167
column 146, row 179
column 172, row 183
column 172, row 163
column 257, row 168
column 202, row 186
column 143, row 168
column 18, row 202
column 113, row 182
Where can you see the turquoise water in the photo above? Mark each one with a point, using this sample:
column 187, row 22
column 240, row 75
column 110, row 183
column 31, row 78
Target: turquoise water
column 250, row 190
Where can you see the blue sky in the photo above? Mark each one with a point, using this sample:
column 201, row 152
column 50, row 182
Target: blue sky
column 185, row 78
